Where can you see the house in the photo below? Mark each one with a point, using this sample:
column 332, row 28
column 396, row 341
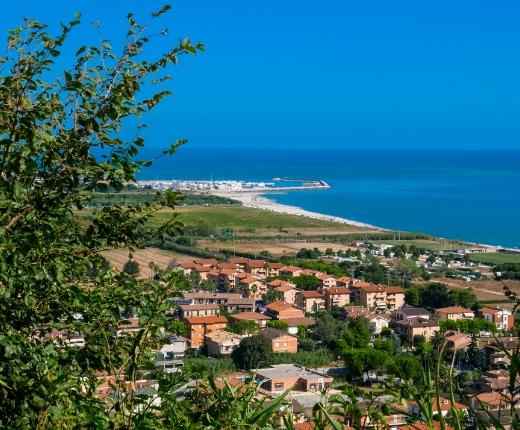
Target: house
column 238, row 262
column 168, row 357
column 496, row 404
column 355, row 311
column 326, row 281
column 496, row 380
column 497, row 352
column 394, row 298
column 417, row 326
column 201, row 310
column 198, row 327
column 455, row 340
column 310, row 301
column 287, row 289
column 205, row 262
column 283, row 311
column 294, row 323
column 280, row 340
column 257, row 268
column 344, row 282
column 290, row 271
column 204, row 297
column 407, row 313
column 281, row 377
column 221, row 342
column 259, row 319
column 253, row 288
column 240, row 305
column 336, row 297
column 502, row 318
column 379, row 322
column 454, row 313
column 445, row 405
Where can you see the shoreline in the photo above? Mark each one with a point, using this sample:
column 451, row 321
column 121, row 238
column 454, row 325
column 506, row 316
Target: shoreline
column 257, row 200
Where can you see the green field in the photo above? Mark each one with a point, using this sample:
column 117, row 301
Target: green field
column 248, row 219
column 496, row 258
column 426, row 244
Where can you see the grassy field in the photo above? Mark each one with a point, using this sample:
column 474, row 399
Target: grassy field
column 161, row 257
column 484, row 290
column 426, row 244
column 496, row 258
column 249, row 220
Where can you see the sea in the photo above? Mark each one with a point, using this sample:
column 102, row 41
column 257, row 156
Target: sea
column 456, row 194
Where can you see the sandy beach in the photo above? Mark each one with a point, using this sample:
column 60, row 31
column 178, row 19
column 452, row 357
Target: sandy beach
column 258, row 201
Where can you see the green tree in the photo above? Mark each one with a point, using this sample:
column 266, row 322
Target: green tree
column 62, row 137
column 462, row 297
column 245, row 327
column 251, row 353
column 131, row 267
column 280, row 325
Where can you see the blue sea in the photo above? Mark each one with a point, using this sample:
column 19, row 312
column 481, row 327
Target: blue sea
column 466, row 195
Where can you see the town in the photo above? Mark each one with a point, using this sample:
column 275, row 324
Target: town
column 308, row 338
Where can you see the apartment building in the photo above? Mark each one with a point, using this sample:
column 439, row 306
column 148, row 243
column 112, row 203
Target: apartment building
column 310, row 301
column 198, row 327
column 336, row 297
column 417, row 327
column 502, row 318
column 454, row 313
column 280, row 340
column 220, row 342
column 283, row 311
column 199, row 310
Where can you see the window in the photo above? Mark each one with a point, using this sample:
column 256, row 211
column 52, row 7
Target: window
column 278, row 386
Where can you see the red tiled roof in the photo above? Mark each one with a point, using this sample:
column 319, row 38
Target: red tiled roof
column 207, row 320
column 205, row 261
column 290, row 269
column 313, row 294
column 285, row 287
column 394, row 290
column 337, row 290
column 454, row 310
column 256, row 264
column 238, row 260
column 250, row 316
column 278, row 306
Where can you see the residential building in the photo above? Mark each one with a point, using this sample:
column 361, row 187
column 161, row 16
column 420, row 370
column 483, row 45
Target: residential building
column 294, row 323
column 290, row 271
column 379, row 322
column 239, row 262
column 205, row 262
column 344, row 282
column 454, row 313
column 280, row 340
column 204, row 297
column 499, row 352
column 283, row 311
column 221, row 342
column 281, row 377
column 200, row 310
column 310, row 301
column 407, row 313
column 287, row 289
column 252, row 287
column 168, row 357
column 198, row 327
column 417, row 326
column 257, row 318
column 502, row 318
column 326, row 281
column 240, row 305
column 394, row 298
column 257, row 268
column 336, row 297
column 457, row 340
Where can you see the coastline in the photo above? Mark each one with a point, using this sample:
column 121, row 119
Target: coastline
column 258, row 200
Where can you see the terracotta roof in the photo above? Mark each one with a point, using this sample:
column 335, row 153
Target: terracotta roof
column 324, row 276
column 295, row 322
column 275, row 265
column 278, row 306
column 207, row 295
column 369, row 288
column 207, row 320
column 394, row 290
column 188, row 265
column 202, row 269
column 214, row 272
column 248, row 280
column 337, row 290
column 238, row 260
column 222, row 336
column 490, row 310
column 205, row 261
column 445, row 404
column 454, row 310
column 290, row 269
column 494, row 399
column 285, row 287
column 256, row 264
column 250, row 316
column 313, row 294
column 241, row 301
column 226, row 266
column 344, row 279
column 273, row 333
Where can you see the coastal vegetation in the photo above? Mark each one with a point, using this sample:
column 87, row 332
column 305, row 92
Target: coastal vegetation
column 100, row 199
column 496, row 258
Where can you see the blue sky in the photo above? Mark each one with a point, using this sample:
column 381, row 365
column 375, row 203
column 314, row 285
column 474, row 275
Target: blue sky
column 349, row 74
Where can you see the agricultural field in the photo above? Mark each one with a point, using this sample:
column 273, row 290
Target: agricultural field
column 496, row 258
column 434, row 245
column 118, row 257
column 484, row 290
column 250, row 220
column 275, row 248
